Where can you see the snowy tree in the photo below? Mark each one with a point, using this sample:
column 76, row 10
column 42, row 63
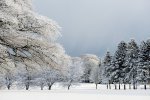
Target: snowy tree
column 118, row 64
column 144, row 65
column 28, row 39
column 95, row 75
column 106, row 73
column 88, row 61
column 52, row 76
column 131, row 63
column 74, row 73
column 25, row 75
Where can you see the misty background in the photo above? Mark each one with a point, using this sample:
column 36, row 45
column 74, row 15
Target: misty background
column 95, row 26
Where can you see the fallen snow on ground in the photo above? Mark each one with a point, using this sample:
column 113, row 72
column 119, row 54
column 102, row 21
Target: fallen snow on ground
column 80, row 92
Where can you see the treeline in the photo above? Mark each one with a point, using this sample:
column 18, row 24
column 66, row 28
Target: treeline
column 130, row 64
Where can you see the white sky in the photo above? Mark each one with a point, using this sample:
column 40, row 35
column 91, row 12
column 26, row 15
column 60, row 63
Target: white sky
column 93, row 26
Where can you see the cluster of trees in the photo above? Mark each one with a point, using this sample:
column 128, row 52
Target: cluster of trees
column 129, row 65
column 28, row 48
column 30, row 55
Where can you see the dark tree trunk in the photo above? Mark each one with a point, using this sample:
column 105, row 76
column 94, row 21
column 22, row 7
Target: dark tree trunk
column 107, row 86
column 115, row 86
column 119, row 86
column 27, row 87
column 8, row 87
column 49, row 87
column 145, row 87
column 69, row 87
column 124, row 86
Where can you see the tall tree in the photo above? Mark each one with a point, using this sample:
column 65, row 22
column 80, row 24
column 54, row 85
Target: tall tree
column 107, row 69
column 144, row 63
column 118, row 64
column 28, row 39
column 131, row 63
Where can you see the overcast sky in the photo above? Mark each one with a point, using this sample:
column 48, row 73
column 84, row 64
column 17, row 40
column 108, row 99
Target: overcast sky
column 94, row 26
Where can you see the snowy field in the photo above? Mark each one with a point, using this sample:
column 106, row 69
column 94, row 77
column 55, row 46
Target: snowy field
column 80, row 92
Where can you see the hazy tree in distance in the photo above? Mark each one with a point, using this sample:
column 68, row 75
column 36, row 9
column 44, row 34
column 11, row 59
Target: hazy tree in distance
column 95, row 75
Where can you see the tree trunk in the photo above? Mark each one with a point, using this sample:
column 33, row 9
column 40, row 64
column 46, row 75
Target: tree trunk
column 119, row 86
column 145, row 87
column 96, row 86
column 129, row 86
column 134, row 86
column 107, row 86
column 69, row 87
column 27, row 87
column 42, row 87
column 49, row 87
column 115, row 86
column 8, row 87
column 124, row 86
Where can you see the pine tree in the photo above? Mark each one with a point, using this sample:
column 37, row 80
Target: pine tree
column 144, row 65
column 131, row 63
column 107, row 69
column 118, row 64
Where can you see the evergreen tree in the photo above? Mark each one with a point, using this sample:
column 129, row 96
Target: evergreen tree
column 144, row 63
column 118, row 64
column 131, row 63
column 107, row 69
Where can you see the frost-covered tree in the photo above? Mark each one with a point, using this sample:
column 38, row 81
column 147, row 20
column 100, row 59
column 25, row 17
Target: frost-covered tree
column 88, row 61
column 118, row 64
column 52, row 76
column 25, row 75
column 106, row 73
column 144, row 63
column 95, row 75
column 131, row 64
column 48, row 76
column 75, row 71
column 28, row 39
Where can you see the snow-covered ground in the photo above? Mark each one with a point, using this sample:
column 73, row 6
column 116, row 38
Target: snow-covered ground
column 80, row 92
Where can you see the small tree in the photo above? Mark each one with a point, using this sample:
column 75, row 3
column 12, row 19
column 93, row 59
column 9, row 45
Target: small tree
column 52, row 76
column 95, row 74
column 25, row 75
column 74, row 73
column 88, row 60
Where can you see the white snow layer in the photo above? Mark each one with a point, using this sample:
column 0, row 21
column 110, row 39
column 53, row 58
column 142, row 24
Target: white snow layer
column 80, row 92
